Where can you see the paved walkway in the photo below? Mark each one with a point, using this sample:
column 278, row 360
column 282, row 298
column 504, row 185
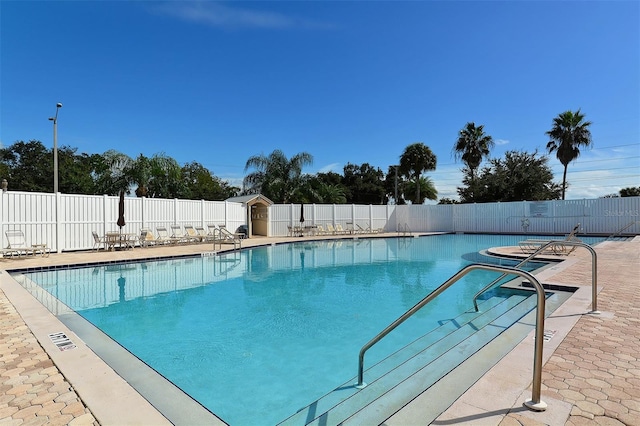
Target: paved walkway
column 595, row 369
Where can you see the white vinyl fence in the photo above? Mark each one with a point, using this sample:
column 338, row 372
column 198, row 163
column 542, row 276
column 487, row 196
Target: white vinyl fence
column 65, row 221
column 601, row 216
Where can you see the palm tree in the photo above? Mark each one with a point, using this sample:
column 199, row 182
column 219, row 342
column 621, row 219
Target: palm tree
column 116, row 174
column 569, row 132
column 428, row 190
column 276, row 176
column 472, row 146
column 415, row 159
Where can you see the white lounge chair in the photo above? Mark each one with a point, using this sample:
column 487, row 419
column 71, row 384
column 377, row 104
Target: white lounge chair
column 192, row 235
column 98, row 241
column 532, row 245
column 147, row 238
column 203, row 235
column 330, row 229
column 19, row 247
column 341, row 230
column 163, row 235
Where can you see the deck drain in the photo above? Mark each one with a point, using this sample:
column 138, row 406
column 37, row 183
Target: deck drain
column 62, row 341
column 548, row 334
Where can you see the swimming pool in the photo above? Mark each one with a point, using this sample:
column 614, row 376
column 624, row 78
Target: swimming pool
column 258, row 334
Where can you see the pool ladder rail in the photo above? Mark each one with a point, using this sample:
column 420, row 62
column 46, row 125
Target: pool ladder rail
column 534, row 403
column 404, row 230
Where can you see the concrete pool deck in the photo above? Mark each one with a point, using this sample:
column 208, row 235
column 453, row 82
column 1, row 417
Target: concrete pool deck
column 591, row 373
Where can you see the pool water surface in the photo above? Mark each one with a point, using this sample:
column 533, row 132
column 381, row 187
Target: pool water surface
column 256, row 335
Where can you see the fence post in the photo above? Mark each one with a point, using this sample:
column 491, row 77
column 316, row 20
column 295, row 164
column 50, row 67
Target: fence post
column 58, row 249
column 353, row 216
column 142, row 210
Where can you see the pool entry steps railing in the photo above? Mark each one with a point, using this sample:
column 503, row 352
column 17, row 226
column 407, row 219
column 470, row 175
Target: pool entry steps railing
column 618, row 234
column 594, row 271
column 534, row 403
column 453, row 355
column 433, row 370
column 404, row 230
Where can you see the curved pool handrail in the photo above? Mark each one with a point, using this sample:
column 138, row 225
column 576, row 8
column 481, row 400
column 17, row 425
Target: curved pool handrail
column 594, row 271
column 534, row 403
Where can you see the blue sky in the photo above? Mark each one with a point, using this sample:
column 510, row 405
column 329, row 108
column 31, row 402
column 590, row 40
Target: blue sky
column 347, row 81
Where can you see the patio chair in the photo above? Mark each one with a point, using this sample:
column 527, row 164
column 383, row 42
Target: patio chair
column 18, row 246
column 147, row 238
column 98, row 241
column 531, row 245
column 163, row 235
column 359, row 229
column 320, row 230
column 204, row 235
column 192, row 235
column 341, row 230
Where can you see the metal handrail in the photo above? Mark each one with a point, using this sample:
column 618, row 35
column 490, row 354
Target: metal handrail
column 226, row 236
column 406, row 230
column 594, row 271
column 534, row 403
column 624, row 228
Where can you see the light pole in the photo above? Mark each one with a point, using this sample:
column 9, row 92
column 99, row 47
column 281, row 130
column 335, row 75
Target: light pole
column 55, row 148
column 395, row 197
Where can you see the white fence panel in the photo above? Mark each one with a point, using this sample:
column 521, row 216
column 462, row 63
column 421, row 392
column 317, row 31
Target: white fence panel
column 379, row 217
column 188, row 212
column 280, row 216
column 324, row 214
column 79, row 216
column 344, row 214
column 440, row 218
column 158, row 212
column 618, row 214
column 65, row 221
column 32, row 213
column 215, row 213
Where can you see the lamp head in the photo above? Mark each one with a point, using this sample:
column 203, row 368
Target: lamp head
column 59, row 105
column 51, row 118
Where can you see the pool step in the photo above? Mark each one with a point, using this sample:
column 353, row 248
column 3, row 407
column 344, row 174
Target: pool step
column 425, row 361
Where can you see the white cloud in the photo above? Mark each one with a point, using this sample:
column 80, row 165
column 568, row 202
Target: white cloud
column 333, row 167
column 219, row 15
column 501, row 142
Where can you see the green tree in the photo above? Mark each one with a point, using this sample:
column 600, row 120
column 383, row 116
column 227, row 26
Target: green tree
column 569, row 133
column 416, row 159
column 276, row 176
column 28, row 166
column 447, row 201
column 326, row 188
column 427, row 189
column 113, row 174
column 166, row 178
column 472, row 146
column 632, row 191
column 364, row 184
column 77, row 172
column 201, row 184
column 519, row 176
column 394, row 184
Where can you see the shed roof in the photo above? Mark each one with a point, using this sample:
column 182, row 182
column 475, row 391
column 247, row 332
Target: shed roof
column 250, row 199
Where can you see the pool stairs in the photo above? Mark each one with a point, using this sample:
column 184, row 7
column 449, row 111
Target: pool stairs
column 452, row 357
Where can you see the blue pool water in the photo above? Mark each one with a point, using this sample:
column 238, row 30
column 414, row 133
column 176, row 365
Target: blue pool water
column 256, row 335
